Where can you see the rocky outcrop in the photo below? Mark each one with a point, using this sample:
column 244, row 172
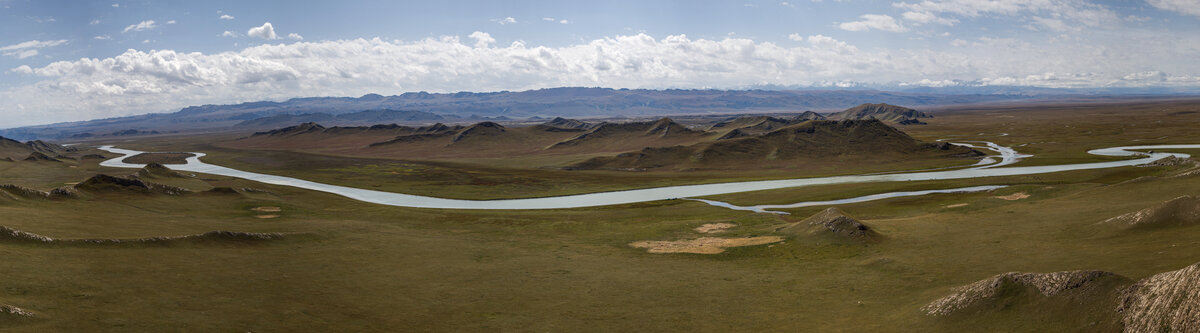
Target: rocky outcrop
column 109, row 184
column 832, row 221
column 1005, row 287
column 1166, row 302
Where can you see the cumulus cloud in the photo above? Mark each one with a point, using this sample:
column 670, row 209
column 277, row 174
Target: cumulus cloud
column 28, row 49
column 796, row 37
column 265, row 31
column 482, row 39
column 94, row 22
column 506, row 20
column 139, row 81
column 1186, row 7
column 226, row 17
column 873, row 21
column 295, row 36
column 140, row 26
column 228, row 33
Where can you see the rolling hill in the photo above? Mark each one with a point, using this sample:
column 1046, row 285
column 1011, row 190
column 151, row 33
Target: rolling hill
column 807, row 142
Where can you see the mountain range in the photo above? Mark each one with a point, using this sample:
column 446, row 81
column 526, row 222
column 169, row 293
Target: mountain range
column 426, row 108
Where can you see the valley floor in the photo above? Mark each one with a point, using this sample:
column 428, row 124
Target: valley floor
column 343, row 265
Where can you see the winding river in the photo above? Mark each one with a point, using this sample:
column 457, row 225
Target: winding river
column 669, row 192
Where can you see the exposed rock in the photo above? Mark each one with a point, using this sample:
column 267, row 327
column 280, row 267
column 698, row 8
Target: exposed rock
column 835, row 222
column 1181, row 211
column 10, row 310
column 1003, row 287
column 22, row 192
column 106, row 183
column 1170, row 161
column 1166, row 302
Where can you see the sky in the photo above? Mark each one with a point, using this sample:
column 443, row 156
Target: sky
column 78, row 60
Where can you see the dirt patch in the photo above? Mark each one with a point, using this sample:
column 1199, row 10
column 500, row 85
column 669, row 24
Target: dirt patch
column 1012, row 197
column 957, row 205
column 160, row 158
column 267, row 209
column 703, row 245
column 712, row 228
column 266, row 216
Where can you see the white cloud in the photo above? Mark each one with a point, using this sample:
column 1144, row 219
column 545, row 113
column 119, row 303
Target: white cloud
column 28, row 49
column 927, row 17
column 140, row 26
column 1187, row 7
column 265, row 31
column 165, row 80
column 94, row 22
column 33, row 44
column 171, row 22
column 22, row 54
column 116, row 5
column 548, row 19
column 228, row 33
column 564, row 21
column 295, row 36
column 796, row 37
column 23, row 69
column 226, row 17
column 873, row 21
column 506, row 20
column 1076, row 12
column 145, row 41
column 786, row 4
column 482, row 39
column 102, row 37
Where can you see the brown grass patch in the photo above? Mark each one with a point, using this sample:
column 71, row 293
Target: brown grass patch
column 1014, row 196
column 712, row 228
column 703, row 245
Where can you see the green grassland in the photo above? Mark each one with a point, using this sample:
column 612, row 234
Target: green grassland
column 353, row 266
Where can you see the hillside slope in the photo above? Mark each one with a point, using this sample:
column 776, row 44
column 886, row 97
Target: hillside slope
column 807, row 142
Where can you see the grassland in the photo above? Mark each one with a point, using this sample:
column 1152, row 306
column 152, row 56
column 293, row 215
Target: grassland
column 366, row 267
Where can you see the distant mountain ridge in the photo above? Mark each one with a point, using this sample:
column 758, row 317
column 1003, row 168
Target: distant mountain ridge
column 553, row 102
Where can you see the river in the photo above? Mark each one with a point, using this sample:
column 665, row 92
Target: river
column 668, row 192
